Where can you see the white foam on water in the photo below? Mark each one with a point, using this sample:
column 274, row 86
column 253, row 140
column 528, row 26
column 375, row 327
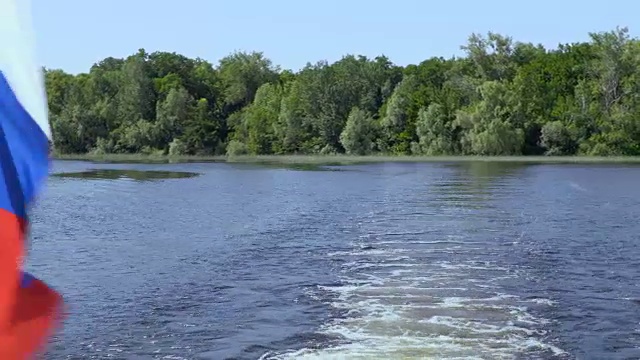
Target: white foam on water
column 417, row 299
column 577, row 186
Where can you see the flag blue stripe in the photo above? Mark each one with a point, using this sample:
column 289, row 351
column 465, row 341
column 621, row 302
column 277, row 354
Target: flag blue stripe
column 24, row 153
column 27, row 279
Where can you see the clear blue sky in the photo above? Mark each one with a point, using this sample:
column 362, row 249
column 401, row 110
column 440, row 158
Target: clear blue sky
column 74, row 34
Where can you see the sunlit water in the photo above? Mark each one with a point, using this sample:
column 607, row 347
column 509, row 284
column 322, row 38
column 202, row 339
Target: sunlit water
column 384, row 261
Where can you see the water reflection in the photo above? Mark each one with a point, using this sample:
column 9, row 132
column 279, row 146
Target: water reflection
column 287, row 166
column 138, row 175
column 473, row 184
column 483, row 173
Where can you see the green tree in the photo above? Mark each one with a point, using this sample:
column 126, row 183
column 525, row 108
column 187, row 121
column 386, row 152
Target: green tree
column 359, row 133
column 503, row 97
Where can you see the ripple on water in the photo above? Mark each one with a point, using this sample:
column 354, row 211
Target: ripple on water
column 419, row 284
column 405, row 262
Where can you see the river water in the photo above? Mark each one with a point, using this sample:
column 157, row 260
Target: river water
column 380, row 261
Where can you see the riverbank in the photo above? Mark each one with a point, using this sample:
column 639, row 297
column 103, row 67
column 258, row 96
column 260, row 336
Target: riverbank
column 338, row 159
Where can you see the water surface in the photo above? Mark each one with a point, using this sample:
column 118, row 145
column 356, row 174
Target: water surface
column 388, row 261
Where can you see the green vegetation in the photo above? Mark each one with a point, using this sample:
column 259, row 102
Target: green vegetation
column 342, row 159
column 504, row 98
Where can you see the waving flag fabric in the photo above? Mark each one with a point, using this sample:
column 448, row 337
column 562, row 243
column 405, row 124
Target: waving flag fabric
column 29, row 309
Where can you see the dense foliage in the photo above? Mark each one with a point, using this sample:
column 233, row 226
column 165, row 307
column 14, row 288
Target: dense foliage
column 503, row 98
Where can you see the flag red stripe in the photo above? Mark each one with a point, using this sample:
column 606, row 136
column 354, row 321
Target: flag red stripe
column 28, row 315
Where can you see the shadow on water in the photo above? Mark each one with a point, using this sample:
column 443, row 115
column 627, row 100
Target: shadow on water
column 483, row 172
column 472, row 184
column 288, row 166
column 114, row 174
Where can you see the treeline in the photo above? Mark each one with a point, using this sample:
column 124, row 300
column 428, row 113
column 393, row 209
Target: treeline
column 502, row 98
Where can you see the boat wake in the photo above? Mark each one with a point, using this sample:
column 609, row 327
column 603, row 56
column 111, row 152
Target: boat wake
column 405, row 296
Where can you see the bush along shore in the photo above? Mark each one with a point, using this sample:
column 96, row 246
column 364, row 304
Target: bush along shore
column 503, row 98
column 341, row 159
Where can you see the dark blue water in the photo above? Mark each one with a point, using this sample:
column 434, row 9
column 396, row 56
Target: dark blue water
column 412, row 261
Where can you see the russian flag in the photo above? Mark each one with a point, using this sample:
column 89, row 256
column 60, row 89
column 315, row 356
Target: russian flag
column 29, row 309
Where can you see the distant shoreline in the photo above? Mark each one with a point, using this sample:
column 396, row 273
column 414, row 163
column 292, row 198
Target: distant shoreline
column 341, row 159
